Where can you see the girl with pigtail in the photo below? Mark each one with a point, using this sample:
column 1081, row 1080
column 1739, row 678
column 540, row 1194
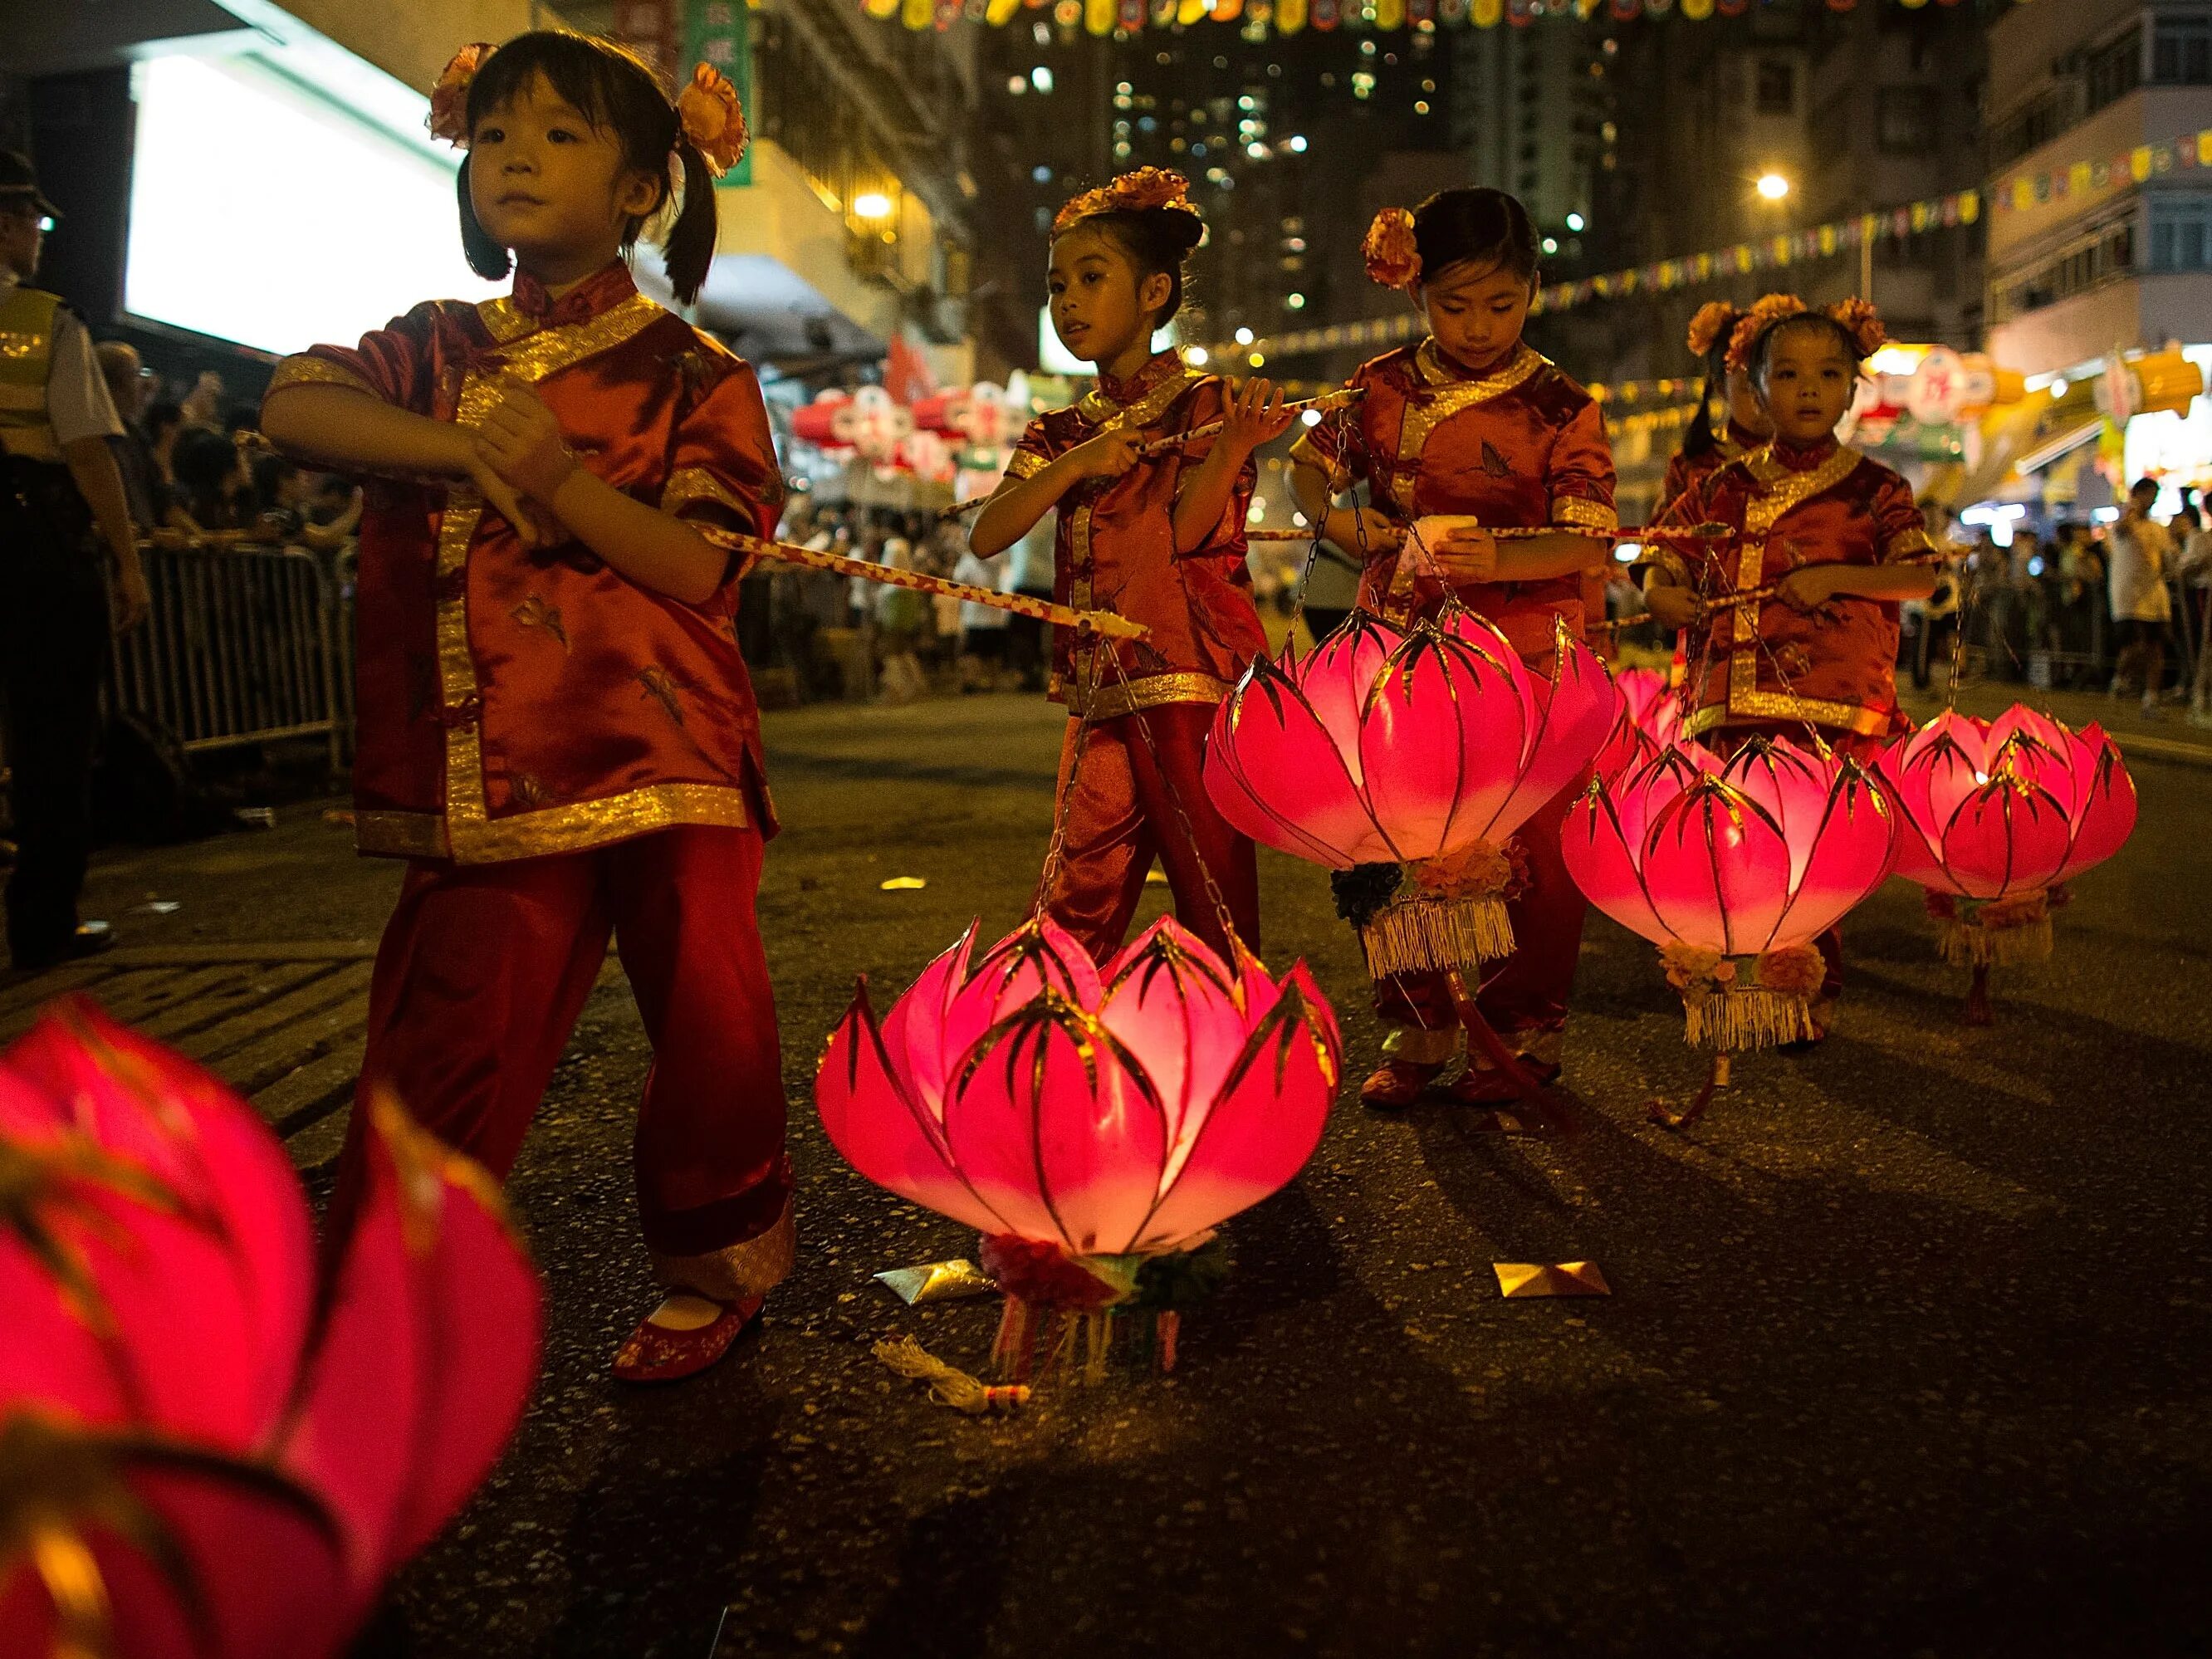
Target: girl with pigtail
column 1729, row 423
column 1158, row 538
column 1834, row 538
column 555, row 727
column 1473, row 429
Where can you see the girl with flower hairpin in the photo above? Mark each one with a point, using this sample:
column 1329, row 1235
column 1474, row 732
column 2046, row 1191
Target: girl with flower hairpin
column 1730, row 422
column 1158, row 538
column 1473, row 429
column 1832, row 534
column 556, row 729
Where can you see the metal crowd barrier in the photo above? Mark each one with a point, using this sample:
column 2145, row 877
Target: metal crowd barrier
column 242, row 645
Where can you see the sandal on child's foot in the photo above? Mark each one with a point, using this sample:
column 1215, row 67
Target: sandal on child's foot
column 1485, row 1086
column 1396, row 1084
column 681, row 1338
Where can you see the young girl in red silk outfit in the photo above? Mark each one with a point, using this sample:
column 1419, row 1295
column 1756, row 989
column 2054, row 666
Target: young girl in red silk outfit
column 1474, row 421
column 555, row 727
column 1158, row 539
column 1828, row 528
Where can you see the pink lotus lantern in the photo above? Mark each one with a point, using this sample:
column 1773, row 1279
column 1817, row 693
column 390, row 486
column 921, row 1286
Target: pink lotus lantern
column 1095, row 1125
column 1650, row 721
column 1999, row 815
column 206, row 1453
column 1733, row 870
column 1425, row 747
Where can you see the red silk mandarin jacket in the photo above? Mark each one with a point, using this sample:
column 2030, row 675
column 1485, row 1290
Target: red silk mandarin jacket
column 1836, row 667
column 1686, row 473
column 515, row 701
column 1114, row 549
column 1523, row 448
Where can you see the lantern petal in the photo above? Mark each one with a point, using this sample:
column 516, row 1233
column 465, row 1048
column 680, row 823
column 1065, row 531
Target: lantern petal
column 1718, row 868
column 2106, row 817
column 1334, row 678
column 1058, row 1130
column 2009, row 837
column 916, row 1038
column 427, row 1348
column 161, row 1550
column 1445, row 728
column 1847, row 853
column 1601, row 853
column 882, row 1130
column 1172, row 1004
column 1276, row 773
column 179, row 1205
column 1575, row 709
column 1269, row 1118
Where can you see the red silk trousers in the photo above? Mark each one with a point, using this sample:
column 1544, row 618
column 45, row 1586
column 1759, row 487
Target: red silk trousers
column 1120, row 806
column 480, row 977
column 1524, row 996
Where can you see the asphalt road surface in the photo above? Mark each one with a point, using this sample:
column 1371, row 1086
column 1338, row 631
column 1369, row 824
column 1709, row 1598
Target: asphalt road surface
column 1907, row 1352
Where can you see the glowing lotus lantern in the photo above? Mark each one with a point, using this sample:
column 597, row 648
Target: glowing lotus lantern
column 1424, row 747
column 1650, row 719
column 1095, row 1125
column 193, row 1461
column 1999, row 814
column 1732, row 869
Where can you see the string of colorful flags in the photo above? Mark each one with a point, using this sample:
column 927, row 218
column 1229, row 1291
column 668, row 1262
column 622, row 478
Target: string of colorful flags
column 1104, row 17
column 1744, row 259
column 2191, row 152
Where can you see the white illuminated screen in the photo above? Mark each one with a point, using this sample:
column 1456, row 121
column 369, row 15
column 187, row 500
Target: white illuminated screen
column 264, row 213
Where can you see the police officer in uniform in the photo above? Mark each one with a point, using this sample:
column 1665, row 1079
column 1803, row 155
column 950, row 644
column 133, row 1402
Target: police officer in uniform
column 58, row 483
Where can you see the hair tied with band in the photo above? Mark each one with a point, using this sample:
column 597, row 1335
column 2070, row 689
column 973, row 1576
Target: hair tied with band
column 1858, row 319
column 1139, row 192
column 1863, row 323
column 709, row 115
column 1393, row 256
column 449, row 99
column 1715, row 321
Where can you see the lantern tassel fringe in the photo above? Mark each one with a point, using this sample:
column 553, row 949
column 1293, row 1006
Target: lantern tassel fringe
column 949, row 1386
column 1424, row 933
column 1746, row 1017
column 1971, row 945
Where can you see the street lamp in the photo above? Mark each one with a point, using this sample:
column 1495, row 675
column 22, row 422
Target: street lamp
column 873, row 206
column 1772, row 186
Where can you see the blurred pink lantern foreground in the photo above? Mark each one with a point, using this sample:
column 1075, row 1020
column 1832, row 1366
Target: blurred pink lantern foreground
column 203, row 1452
column 1427, row 746
column 1999, row 814
column 1732, row 869
column 1084, row 1120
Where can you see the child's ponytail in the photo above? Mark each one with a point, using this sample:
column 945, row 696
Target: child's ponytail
column 688, row 249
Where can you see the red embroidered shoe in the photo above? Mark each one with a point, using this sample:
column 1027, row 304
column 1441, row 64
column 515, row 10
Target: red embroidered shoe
column 1487, row 1086
column 1396, row 1084
column 655, row 1353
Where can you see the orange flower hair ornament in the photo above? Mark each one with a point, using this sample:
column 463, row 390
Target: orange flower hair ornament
column 1765, row 311
column 1715, row 321
column 1393, row 256
column 709, row 115
column 449, row 99
column 1133, row 192
column 1856, row 318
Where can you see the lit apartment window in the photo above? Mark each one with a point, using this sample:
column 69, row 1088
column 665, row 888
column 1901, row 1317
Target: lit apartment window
column 2181, row 51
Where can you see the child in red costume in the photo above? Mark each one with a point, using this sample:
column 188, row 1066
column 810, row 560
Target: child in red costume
column 557, row 731
column 1158, row 539
column 1742, row 425
column 1474, row 421
column 1830, row 532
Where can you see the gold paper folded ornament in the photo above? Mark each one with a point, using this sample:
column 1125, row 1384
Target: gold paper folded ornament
column 937, row 1281
column 1519, row 1280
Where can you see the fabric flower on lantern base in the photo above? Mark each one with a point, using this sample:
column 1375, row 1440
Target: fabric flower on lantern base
column 1732, row 869
column 1999, row 815
column 1093, row 1123
column 1424, row 747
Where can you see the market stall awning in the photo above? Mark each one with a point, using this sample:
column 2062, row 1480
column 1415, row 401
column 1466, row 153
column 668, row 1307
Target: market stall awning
column 2059, row 447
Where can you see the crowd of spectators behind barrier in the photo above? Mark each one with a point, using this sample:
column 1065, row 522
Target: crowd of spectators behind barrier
column 2038, row 611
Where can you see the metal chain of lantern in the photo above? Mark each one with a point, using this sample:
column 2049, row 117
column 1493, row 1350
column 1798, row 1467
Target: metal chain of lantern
column 1258, row 18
